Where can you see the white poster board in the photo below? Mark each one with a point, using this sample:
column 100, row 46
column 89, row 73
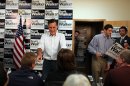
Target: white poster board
column 115, row 50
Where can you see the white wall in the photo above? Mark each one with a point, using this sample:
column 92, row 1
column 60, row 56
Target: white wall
column 101, row 9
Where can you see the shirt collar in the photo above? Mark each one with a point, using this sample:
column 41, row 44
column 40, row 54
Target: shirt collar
column 123, row 37
column 106, row 36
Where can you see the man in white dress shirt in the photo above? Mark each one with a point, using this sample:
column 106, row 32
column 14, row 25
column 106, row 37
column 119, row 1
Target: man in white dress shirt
column 49, row 45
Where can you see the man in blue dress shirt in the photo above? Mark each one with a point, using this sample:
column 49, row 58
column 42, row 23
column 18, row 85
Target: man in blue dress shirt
column 98, row 47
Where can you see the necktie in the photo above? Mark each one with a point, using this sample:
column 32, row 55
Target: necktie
column 121, row 40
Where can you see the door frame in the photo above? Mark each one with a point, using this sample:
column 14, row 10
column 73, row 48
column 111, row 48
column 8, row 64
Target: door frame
column 82, row 20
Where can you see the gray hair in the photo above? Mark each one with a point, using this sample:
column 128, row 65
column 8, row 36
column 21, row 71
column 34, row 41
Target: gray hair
column 125, row 54
column 76, row 80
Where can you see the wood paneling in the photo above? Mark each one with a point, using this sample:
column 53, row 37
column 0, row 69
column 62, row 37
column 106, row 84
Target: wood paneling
column 129, row 28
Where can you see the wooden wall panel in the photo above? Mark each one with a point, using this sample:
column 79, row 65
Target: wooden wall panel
column 129, row 28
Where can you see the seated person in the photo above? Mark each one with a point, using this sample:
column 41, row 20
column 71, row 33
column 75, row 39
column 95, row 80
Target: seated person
column 66, row 65
column 120, row 76
column 25, row 76
column 3, row 75
column 76, row 80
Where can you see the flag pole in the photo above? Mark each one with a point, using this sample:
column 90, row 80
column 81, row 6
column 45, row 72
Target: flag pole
column 24, row 27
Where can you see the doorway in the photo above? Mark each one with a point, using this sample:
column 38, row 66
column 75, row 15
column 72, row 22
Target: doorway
column 87, row 30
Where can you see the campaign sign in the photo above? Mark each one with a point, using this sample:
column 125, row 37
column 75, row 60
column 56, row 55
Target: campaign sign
column 65, row 24
column 67, row 33
column 38, row 4
column 25, row 4
column 8, row 43
column 2, row 4
column 1, row 53
column 34, row 43
column 65, row 4
column 2, row 23
column 36, row 34
column 51, row 4
column 51, row 14
column 2, row 33
column 8, row 62
column 8, row 52
column 46, row 23
column 65, row 14
column 11, row 23
column 10, row 33
column 38, row 14
column 69, row 44
column 2, row 14
column 12, row 4
column 37, row 24
column 115, row 50
column 1, row 42
column 11, row 14
column 26, row 13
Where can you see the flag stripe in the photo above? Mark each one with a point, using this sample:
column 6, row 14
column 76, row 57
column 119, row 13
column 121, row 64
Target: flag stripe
column 17, row 52
column 17, row 64
column 19, row 46
column 18, row 60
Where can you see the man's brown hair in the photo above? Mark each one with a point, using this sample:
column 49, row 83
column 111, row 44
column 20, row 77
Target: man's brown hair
column 28, row 59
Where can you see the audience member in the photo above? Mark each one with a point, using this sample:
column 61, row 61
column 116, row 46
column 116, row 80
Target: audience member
column 98, row 47
column 77, row 80
column 25, row 76
column 66, row 65
column 49, row 45
column 120, row 76
column 3, row 75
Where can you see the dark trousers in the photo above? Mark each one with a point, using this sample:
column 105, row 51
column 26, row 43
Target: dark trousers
column 48, row 66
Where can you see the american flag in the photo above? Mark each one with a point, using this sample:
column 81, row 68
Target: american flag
column 19, row 46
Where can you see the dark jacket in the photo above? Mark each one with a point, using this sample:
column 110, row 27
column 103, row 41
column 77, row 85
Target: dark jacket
column 3, row 75
column 123, row 41
column 24, row 77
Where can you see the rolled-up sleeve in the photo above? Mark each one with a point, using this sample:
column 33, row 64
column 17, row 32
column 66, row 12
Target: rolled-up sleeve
column 63, row 41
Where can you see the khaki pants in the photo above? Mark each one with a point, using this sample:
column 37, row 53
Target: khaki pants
column 98, row 68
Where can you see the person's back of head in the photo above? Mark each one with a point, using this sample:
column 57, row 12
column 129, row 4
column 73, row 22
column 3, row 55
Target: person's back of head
column 66, row 59
column 125, row 55
column 25, row 76
column 76, row 80
column 28, row 60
